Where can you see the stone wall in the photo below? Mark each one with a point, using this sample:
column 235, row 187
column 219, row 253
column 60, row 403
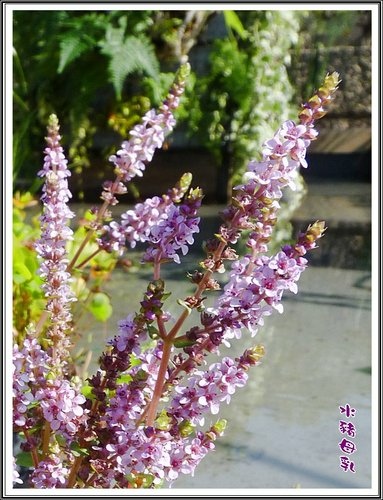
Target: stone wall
column 347, row 126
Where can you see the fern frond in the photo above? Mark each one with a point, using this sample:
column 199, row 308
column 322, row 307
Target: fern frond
column 126, row 56
column 72, row 47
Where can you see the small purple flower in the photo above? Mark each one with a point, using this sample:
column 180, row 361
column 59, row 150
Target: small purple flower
column 62, row 406
column 278, row 149
column 31, row 366
column 50, row 473
column 130, row 336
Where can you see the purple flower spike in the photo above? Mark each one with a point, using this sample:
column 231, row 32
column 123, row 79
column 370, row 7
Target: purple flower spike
column 51, row 247
column 147, row 136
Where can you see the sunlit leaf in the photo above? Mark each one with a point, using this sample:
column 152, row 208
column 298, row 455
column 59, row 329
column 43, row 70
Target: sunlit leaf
column 100, row 306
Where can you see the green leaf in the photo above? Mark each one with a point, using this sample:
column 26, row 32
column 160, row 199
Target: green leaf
column 183, row 342
column 100, row 306
column 127, row 55
column 24, row 459
column 71, row 47
column 185, row 305
column 134, row 360
column 78, row 451
column 153, row 332
column 86, row 390
column 233, row 22
column 20, row 272
column 124, row 379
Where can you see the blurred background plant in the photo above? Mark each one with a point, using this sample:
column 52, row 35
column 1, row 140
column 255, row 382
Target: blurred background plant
column 28, row 298
column 231, row 108
column 100, row 71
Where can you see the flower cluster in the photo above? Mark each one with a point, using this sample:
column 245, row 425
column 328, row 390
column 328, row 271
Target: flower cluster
column 256, row 287
column 244, row 293
column 51, row 248
column 255, row 203
column 43, row 397
column 147, row 136
column 171, row 447
column 139, row 422
column 31, row 365
column 50, row 473
column 61, row 406
column 205, row 391
column 166, row 226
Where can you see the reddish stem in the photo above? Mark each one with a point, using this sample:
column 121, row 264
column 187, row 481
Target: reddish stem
column 158, row 389
column 35, row 456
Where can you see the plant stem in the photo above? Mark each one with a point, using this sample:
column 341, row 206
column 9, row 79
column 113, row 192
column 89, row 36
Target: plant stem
column 158, row 389
column 39, row 326
column 85, row 261
column 197, row 294
column 161, row 327
column 157, row 270
column 85, row 241
column 90, row 233
column 150, row 413
column 73, row 473
column 46, row 437
column 34, row 454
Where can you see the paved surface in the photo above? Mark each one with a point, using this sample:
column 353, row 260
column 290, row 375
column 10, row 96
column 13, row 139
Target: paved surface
column 283, row 429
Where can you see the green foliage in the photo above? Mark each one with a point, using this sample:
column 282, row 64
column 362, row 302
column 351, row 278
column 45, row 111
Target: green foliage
column 82, row 66
column 28, row 298
column 78, row 451
column 127, row 55
column 233, row 110
column 234, row 23
column 100, row 306
column 24, row 459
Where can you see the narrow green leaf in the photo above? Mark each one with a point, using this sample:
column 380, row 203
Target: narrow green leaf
column 86, row 390
column 233, row 22
column 124, row 379
column 78, row 451
column 20, row 272
column 183, row 342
